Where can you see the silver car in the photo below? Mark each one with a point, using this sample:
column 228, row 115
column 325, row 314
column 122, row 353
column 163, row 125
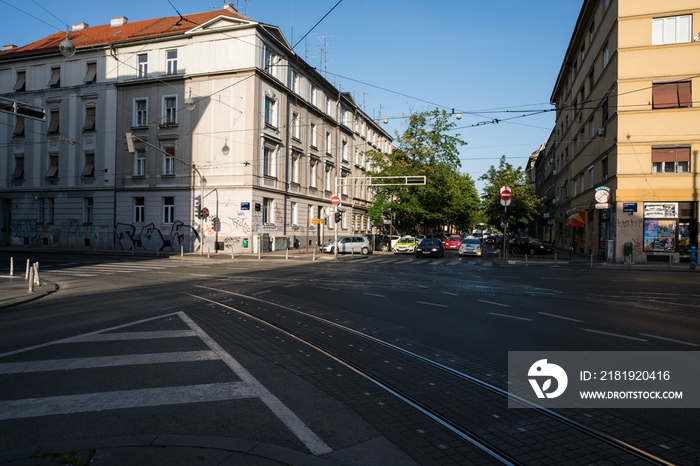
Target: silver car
column 350, row 244
column 470, row 247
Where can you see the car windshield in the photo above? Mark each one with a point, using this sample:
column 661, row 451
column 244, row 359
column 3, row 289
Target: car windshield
column 471, row 241
column 406, row 240
column 429, row 242
column 454, row 238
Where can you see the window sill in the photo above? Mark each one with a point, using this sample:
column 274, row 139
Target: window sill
column 167, row 175
column 168, row 125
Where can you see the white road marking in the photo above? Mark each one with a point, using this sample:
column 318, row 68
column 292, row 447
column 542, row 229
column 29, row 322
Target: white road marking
column 261, row 292
column 377, row 295
column 130, row 336
column 451, row 294
column 68, row 404
column 495, row 304
column 431, row 304
column 312, row 441
column 559, row 317
column 104, row 361
column 510, row 317
column 669, row 339
column 613, row 334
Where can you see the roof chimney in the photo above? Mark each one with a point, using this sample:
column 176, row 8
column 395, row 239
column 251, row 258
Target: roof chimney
column 8, row 47
column 79, row 26
column 118, row 21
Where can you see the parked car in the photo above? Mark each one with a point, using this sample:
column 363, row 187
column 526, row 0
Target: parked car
column 526, row 246
column 453, row 242
column 431, row 247
column 405, row 244
column 379, row 242
column 350, row 244
column 470, row 246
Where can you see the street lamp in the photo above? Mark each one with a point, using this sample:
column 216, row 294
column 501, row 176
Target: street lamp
column 66, row 46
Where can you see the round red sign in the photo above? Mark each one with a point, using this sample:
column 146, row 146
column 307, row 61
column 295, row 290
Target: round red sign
column 505, row 195
column 335, row 200
column 205, row 212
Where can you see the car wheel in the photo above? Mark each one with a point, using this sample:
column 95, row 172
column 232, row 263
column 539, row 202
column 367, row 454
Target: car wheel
column 385, row 248
column 531, row 252
column 365, row 251
column 332, row 250
column 515, row 251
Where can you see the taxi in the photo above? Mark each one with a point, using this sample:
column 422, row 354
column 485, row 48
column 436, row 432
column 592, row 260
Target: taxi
column 405, row 245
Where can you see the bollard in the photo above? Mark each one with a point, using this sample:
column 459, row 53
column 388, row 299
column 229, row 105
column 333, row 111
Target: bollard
column 314, row 256
column 208, row 256
column 525, row 260
column 157, row 252
column 37, row 280
column 31, row 281
column 231, row 252
column 12, row 266
column 182, row 251
column 555, row 260
column 591, row 260
column 259, row 251
column 26, row 274
column 132, row 249
column 669, row 262
column 286, row 255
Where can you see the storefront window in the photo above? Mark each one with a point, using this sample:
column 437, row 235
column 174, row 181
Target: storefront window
column 660, row 226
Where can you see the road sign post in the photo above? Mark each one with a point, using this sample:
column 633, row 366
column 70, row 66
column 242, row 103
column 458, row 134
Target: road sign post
column 505, row 202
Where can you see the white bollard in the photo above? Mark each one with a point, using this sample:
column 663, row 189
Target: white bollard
column 12, row 266
column 525, row 260
column 208, row 256
column 26, row 274
column 231, row 252
column 182, row 251
column 31, row 281
column 314, row 256
column 37, row 280
column 286, row 254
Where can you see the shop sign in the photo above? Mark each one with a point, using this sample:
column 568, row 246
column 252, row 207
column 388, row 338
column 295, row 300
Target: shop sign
column 660, row 210
column 602, row 196
column 602, row 206
column 629, row 207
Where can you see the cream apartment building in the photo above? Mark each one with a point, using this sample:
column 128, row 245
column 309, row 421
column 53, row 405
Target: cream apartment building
column 219, row 137
column 625, row 152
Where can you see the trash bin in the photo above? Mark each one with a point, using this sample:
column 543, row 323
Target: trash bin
column 628, row 249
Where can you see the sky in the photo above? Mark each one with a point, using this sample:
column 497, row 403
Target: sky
column 490, row 60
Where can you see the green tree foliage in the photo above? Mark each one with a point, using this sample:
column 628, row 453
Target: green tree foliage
column 425, row 149
column 524, row 203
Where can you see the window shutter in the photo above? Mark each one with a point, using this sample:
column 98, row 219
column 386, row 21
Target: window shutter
column 665, row 95
column 685, row 98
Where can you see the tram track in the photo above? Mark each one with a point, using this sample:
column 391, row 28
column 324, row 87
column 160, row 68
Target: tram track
column 472, row 410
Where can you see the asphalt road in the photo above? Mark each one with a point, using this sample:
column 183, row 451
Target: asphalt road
column 466, row 313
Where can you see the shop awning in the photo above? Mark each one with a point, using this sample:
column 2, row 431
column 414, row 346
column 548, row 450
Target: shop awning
column 577, row 220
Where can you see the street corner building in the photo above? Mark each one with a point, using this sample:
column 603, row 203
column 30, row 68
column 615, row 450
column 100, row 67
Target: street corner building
column 204, row 132
column 619, row 173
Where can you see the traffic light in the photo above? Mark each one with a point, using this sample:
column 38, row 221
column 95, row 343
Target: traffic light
column 197, row 208
column 338, row 217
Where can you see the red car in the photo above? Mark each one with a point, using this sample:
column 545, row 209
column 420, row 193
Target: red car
column 453, row 242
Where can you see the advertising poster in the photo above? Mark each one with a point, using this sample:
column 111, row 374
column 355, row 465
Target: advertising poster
column 659, row 235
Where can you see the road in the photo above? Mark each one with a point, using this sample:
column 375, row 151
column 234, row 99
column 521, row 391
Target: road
column 258, row 349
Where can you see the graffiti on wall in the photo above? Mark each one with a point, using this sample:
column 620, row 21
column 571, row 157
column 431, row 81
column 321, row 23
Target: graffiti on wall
column 150, row 237
column 630, row 231
column 71, row 234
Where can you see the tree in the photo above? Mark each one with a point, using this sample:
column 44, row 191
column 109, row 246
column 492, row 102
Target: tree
column 524, row 203
column 425, row 149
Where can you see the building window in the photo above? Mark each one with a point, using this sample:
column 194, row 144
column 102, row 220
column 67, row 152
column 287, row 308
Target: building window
column 606, row 54
column 171, row 62
column 168, row 210
column 293, row 81
column 268, row 211
column 139, row 209
column 18, row 172
column 296, row 126
column 294, row 210
column 671, row 30
column 52, row 172
column 670, row 160
column 55, row 80
column 312, row 174
column 343, row 183
column 591, row 31
column 140, row 163
column 170, row 110
column 312, row 95
column 591, row 80
column 295, row 168
column 270, row 112
column 329, row 107
column 583, row 183
column 143, row 65
column 344, row 150
column 140, row 112
column 312, row 135
column 54, row 126
column 87, row 209
column 89, row 124
column 591, row 128
column 671, row 95
column 583, row 52
column 169, row 161
column 89, row 167
column 21, row 82
column 268, row 162
column 329, row 141
column 606, row 111
column 269, row 61
column 19, row 127
column 327, row 184
column 91, row 75
column 591, row 176
column 604, row 166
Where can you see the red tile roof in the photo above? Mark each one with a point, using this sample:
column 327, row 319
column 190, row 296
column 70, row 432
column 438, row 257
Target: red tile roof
column 106, row 34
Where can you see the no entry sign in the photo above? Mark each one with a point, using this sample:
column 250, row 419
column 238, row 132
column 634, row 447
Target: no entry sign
column 505, row 193
column 335, row 200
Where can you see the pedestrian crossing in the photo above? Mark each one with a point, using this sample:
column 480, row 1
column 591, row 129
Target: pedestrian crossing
column 414, row 261
column 80, row 269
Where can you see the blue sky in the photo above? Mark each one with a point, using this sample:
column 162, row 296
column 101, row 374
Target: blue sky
column 395, row 56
